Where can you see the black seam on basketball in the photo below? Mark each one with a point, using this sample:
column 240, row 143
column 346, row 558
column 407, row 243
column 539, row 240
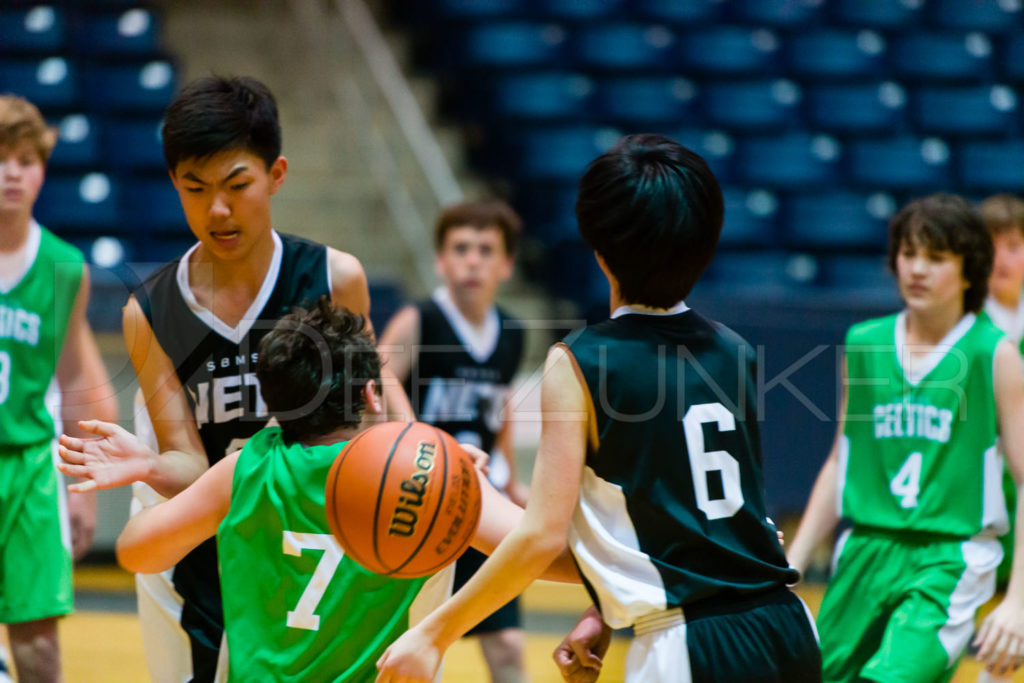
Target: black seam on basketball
column 437, row 507
column 467, row 542
column 380, row 495
column 332, row 518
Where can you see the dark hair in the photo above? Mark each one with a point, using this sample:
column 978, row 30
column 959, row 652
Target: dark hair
column 652, row 210
column 946, row 222
column 312, row 368
column 480, row 215
column 213, row 114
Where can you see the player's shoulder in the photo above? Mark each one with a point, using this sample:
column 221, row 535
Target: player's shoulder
column 873, row 330
column 58, row 250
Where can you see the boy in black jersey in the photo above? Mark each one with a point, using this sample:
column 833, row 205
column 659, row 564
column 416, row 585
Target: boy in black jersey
column 649, row 464
column 193, row 330
column 457, row 353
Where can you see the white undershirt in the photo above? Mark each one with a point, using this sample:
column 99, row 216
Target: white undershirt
column 1009, row 320
column 17, row 264
column 679, row 307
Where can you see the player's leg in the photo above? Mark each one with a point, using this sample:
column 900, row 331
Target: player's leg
column 36, row 650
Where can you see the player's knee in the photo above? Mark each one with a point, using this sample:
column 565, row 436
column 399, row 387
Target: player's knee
column 35, row 651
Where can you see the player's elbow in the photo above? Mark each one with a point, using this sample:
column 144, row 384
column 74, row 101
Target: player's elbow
column 137, row 557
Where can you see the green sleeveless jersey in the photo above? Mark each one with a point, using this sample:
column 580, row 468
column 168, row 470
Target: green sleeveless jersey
column 919, row 453
column 296, row 608
column 34, row 312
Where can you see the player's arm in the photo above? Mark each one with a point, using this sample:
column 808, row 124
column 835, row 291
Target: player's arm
column 86, row 391
column 117, row 457
column 158, row 537
column 399, row 347
column 1000, row 639
column 349, row 289
column 504, row 442
column 529, row 549
column 822, row 512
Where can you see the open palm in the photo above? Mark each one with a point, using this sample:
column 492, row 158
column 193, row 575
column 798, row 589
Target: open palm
column 115, row 458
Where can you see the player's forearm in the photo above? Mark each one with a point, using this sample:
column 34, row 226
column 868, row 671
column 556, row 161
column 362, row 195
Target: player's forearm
column 171, row 472
column 819, row 520
column 147, row 547
column 1015, row 587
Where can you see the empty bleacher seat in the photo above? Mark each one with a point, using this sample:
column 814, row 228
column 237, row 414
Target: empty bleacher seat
column 135, row 87
column 838, row 219
column 52, row 82
column 792, row 161
column 513, row 44
column 717, row 147
column 87, row 202
column 990, row 109
column 151, row 205
column 1013, row 59
column 79, row 142
column 135, row 145
column 900, row 163
column 990, row 16
column 764, row 272
column 946, row 55
column 862, row 277
column 750, row 218
column 649, row 100
column 624, row 46
column 754, row 105
column 33, row 29
column 684, row 12
column 562, row 152
column 859, row 108
column 883, row 14
column 729, row 50
column 836, row 53
column 992, row 166
column 543, row 96
column 783, row 13
column 481, row 9
column 134, row 32
column 579, row 10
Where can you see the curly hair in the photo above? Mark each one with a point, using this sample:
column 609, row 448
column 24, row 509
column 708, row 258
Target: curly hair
column 313, row 366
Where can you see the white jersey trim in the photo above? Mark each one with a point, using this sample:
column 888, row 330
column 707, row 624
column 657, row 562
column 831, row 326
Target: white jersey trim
column 679, row 307
column 237, row 333
column 915, row 371
column 603, row 540
column 480, row 342
column 30, row 251
column 982, row 555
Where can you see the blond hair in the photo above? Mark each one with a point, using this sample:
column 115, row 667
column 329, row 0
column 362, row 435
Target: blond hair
column 1003, row 213
column 21, row 121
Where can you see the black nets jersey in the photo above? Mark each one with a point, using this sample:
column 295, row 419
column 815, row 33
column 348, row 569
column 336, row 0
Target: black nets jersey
column 217, row 368
column 671, row 510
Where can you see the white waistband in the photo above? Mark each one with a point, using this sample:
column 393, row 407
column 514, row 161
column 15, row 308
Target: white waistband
column 658, row 621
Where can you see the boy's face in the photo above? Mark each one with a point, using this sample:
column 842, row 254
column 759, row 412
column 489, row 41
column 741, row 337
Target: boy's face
column 21, row 176
column 930, row 280
column 226, row 199
column 473, row 263
column 1007, row 279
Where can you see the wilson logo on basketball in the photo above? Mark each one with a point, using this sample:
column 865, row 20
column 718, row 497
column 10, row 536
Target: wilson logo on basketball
column 406, row 515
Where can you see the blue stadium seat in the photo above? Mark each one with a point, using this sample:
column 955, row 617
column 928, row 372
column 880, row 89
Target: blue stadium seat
column 624, row 46
column 836, row 53
column 837, row 220
column 562, row 152
column 942, row 55
column 857, row 109
column 38, row 29
column 992, row 166
column 579, row 10
column 900, row 163
column 1013, row 59
column 865, row 278
column 135, row 145
column 882, row 14
column 793, row 161
column 50, row 83
column 136, row 87
column 151, row 206
column 782, row 13
column 387, row 297
column 990, row 16
column 751, row 218
column 133, row 32
column 78, row 203
column 545, row 95
column 764, row 272
column 648, row 100
column 482, row 9
column 982, row 109
column 752, row 105
column 717, row 147
column 79, row 143
column 681, row 12
column 729, row 50
column 513, row 44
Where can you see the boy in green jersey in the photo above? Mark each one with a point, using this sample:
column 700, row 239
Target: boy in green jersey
column 44, row 339
column 326, row 618
column 916, row 469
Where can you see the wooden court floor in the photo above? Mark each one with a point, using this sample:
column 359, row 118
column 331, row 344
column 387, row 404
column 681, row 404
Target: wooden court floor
column 102, row 643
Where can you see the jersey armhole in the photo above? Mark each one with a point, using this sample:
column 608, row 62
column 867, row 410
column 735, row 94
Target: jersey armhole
column 592, row 441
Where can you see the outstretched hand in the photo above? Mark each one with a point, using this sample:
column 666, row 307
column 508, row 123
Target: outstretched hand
column 115, row 458
column 1000, row 639
column 481, row 459
column 579, row 655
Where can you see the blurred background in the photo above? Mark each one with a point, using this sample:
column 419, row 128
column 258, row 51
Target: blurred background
column 819, row 117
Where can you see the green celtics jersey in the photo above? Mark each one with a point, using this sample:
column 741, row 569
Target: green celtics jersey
column 295, row 607
column 918, row 451
column 34, row 311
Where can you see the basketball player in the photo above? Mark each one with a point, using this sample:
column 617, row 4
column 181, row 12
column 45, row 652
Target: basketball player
column 649, row 463
column 326, row 618
column 457, row 354
column 192, row 332
column 915, row 467
column 45, row 346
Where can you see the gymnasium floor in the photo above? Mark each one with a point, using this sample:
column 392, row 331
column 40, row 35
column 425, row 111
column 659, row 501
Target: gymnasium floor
column 101, row 641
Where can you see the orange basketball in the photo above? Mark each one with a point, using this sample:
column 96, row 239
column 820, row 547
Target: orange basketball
column 403, row 499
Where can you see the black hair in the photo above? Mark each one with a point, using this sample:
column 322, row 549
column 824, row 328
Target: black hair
column 947, row 222
column 652, row 210
column 313, row 366
column 214, row 114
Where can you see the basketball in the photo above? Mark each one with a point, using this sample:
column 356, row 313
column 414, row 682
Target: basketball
column 403, row 499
